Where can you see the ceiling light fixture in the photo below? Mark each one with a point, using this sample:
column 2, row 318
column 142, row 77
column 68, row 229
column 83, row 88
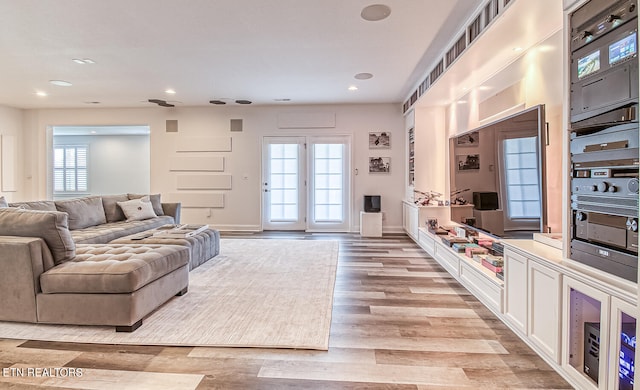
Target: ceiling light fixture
column 83, row 61
column 375, row 12
column 517, row 49
column 352, row 88
column 217, row 102
column 60, row 83
column 363, row 76
column 170, row 91
column 241, row 101
column 161, row 103
column 41, row 93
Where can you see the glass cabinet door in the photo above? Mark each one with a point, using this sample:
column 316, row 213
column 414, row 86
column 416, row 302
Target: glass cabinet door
column 623, row 345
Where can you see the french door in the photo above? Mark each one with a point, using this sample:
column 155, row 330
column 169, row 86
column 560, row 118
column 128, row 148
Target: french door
column 306, row 183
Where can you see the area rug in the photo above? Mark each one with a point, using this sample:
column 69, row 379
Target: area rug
column 256, row 293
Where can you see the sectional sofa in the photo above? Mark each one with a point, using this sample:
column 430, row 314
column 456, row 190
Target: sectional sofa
column 57, row 264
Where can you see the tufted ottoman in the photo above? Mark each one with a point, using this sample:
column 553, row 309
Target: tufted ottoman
column 203, row 246
column 112, row 284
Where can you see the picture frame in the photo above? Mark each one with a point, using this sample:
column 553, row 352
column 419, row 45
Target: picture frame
column 469, row 139
column 380, row 140
column 467, row 162
column 379, row 164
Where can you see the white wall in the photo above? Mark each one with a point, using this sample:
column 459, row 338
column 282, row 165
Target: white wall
column 538, row 75
column 242, row 203
column 118, row 164
column 11, row 124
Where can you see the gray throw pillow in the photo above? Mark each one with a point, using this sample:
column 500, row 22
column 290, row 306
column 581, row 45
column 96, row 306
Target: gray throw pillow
column 112, row 211
column 51, row 226
column 83, row 212
column 3, row 202
column 155, row 202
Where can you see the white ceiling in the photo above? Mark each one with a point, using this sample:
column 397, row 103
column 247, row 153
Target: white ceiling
column 260, row 50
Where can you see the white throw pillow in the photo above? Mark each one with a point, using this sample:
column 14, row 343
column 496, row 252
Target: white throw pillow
column 137, row 209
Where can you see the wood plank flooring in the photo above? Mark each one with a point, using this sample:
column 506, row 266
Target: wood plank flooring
column 399, row 322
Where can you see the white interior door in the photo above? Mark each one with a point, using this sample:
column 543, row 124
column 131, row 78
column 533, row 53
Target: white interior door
column 284, row 183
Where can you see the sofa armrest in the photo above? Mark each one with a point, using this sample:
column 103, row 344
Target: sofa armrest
column 172, row 209
column 22, row 261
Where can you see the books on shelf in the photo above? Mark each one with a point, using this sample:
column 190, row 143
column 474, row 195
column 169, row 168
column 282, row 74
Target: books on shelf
column 179, row 231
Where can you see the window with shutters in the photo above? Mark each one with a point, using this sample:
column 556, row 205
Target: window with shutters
column 70, row 170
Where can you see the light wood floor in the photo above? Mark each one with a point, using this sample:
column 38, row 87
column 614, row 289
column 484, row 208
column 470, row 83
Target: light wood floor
column 399, row 322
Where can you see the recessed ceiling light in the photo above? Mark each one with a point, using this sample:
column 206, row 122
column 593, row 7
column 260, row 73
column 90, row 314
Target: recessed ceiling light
column 352, row 88
column 170, row 91
column 41, row 93
column 462, row 102
column 517, row 49
column 60, row 83
column 375, row 12
column 363, row 76
column 94, row 132
column 83, row 61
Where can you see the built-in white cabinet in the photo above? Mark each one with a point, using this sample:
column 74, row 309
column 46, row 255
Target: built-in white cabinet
column 544, row 325
column 586, row 323
column 480, row 281
column 580, row 322
column 410, row 213
column 622, row 341
column 599, row 337
column 515, row 277
column 532, row 301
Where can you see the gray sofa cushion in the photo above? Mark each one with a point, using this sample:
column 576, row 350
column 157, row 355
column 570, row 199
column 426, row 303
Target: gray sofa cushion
column 112, row 211
column 45, row 205
column 113, row 268
column 83, row 212
column 107, row 232
column 3, row 202
column 51, row 226
column 155, row 201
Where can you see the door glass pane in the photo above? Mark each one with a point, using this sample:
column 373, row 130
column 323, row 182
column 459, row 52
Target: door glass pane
column 283, row 182
column 328, row 182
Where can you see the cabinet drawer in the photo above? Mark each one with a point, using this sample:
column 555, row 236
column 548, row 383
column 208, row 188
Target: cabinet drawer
column 483, row 288
column 447, row 259
column 426, row 242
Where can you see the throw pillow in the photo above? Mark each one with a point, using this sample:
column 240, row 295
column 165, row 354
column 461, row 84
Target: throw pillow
column 83, row 212
column 51, row 226
column 155, row 201
column 3, row 202
column 137, row 209
column 111, row 209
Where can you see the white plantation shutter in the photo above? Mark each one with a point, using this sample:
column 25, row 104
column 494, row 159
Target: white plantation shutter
column 70, row 170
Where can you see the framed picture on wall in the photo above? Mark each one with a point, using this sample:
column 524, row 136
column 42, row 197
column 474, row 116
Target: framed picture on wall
column 379, row 164
column 469, row 139
column 380, row 140
column 468, row 162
